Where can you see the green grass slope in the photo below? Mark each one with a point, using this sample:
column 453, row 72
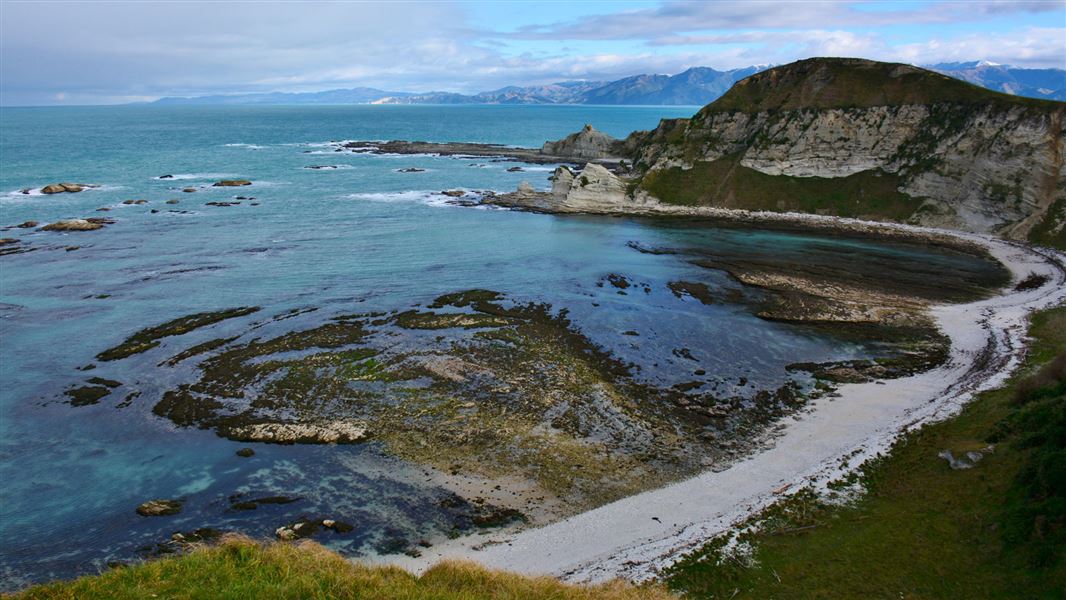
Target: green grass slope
column 924, row 530
column 823, row 83
column 239, row 568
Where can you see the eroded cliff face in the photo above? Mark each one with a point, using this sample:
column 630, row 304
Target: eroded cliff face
column 985, row 168
column 594, row 189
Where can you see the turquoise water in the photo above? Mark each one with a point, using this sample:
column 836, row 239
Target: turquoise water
column 360, row 237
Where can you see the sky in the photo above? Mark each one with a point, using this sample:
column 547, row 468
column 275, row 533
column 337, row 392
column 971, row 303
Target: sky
column 64, row 52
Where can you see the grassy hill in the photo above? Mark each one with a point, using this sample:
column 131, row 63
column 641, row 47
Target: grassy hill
column 822, row 83
column 239, row 568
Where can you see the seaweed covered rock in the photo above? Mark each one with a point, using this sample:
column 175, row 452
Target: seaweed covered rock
column 159, row 508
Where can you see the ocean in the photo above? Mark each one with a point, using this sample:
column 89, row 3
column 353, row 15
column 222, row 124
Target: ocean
column 306, row 246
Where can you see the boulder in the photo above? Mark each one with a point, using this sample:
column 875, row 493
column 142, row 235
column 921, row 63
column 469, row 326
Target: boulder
column 58, row 188
column 159, row 508
column 296, row 531
column 453, row 193
column 27, row 225
column 166, row 177
column 338, row 526
column 73, row 225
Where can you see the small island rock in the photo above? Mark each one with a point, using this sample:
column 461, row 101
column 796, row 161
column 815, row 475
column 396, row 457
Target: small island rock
column 73, row 225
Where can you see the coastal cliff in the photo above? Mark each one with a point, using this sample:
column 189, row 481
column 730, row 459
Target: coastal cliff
column 850, row 138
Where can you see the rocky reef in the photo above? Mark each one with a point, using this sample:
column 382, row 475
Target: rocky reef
column 485, row 390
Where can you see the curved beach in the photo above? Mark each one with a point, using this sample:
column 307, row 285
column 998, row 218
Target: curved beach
column 635, row 537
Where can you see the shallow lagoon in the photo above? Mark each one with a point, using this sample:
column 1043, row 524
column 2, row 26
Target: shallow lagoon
column 360, row 238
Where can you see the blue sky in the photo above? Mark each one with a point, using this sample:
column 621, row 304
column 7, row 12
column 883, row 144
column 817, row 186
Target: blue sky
column 61, row 52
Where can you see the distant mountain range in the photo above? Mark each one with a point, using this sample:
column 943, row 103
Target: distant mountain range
column 1049, row 84
column 696, row 86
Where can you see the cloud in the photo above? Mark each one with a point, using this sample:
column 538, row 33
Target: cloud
column 126, row 51
column 1034, row 47
column 675, row 18
column 124, row 48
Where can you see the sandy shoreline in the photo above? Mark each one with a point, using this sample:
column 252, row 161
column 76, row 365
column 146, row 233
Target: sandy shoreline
column 635, row 537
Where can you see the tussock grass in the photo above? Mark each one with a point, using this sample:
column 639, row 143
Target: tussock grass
column 241, row 568
column 923, row 530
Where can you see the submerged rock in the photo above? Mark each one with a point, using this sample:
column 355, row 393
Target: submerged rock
column 159, row 508
column 189, row 190
column 497, row 517
column 453, row 193
column 135, row 202
column 231, row 183
column 245, row 452
column 147, row 339
column 27, row 225
column 86, row 395
column 411, row 170
column 256, row 503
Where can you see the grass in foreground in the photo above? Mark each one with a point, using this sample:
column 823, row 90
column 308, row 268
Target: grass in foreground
column 241, row 568
column 923, row 530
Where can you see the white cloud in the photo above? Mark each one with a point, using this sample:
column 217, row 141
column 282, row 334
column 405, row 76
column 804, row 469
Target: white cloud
column 1034, row 47
column 679, row 17
column 120, row 51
